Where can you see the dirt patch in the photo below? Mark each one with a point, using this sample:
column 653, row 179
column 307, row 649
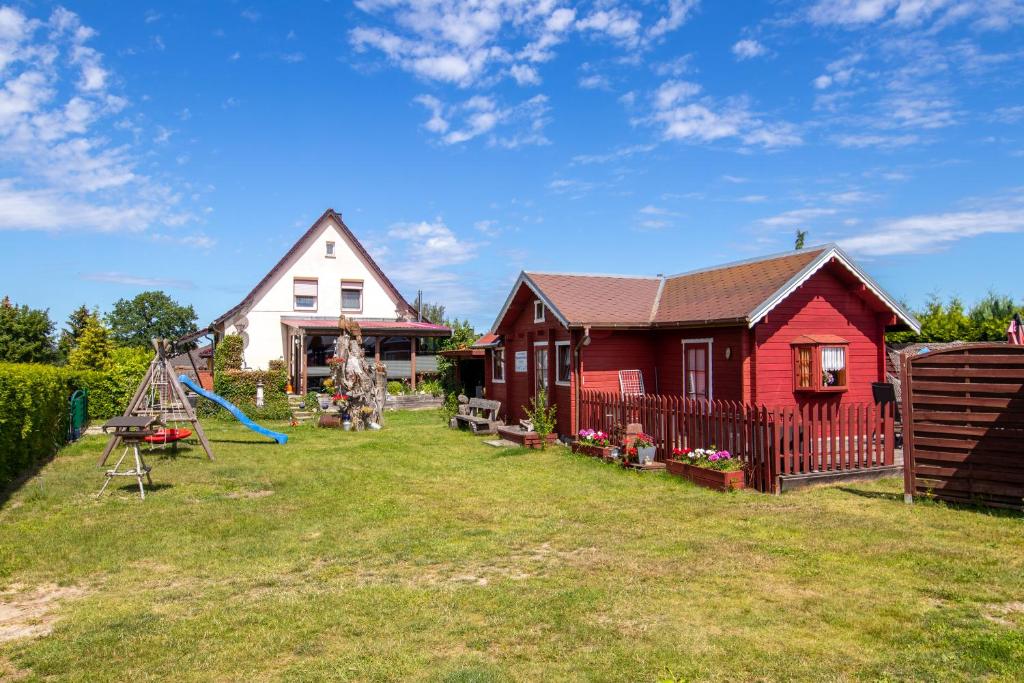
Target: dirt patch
column 250, row 494
column 31, row 613
column 1006, row 613
column 9, row 672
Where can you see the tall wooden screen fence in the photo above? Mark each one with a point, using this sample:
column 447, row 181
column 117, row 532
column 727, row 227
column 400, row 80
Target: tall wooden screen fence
column 771, row 442
column 963, row 415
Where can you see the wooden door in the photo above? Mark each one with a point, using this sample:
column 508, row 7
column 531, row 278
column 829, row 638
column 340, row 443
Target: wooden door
column 697, row 369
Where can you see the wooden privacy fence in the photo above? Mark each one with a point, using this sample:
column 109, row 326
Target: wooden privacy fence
column 963, row 415
column 772, row 442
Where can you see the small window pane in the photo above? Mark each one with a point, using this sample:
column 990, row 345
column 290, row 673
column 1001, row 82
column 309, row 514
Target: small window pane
column 804, row 362
column 498, row 364
column 330, row 248
column 352, row 299
column 564, row 367
column 305, row 302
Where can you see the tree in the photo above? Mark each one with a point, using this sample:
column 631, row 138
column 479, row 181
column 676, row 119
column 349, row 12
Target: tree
column 433, row 312
column 134, row 322
column 73, row 329
column 801, row 237
column 94, row 350
column 991, row 316
column 26, row 334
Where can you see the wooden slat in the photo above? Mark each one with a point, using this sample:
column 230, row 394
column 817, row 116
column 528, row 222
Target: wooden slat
column 1012, row 389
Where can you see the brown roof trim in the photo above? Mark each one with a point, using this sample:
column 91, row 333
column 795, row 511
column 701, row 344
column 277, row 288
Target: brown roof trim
column 360, row 251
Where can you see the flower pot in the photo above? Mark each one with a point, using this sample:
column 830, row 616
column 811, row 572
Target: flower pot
column 645, row 455
column 325, row 403
column 347, row 425
column 708, row 478
column 592, row 450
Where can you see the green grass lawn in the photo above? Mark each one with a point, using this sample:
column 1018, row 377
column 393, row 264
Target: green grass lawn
column 419, row 553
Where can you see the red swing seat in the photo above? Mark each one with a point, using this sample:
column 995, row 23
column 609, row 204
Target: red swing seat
column 168, row 435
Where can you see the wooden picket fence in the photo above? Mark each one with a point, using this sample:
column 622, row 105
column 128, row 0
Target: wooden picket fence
column 772, row 442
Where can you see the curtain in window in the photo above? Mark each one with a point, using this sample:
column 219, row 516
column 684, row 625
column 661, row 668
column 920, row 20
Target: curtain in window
column 833, row 359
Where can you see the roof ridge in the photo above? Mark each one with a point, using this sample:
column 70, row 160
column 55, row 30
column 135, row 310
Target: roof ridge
column 758, row 259
column 627, row 277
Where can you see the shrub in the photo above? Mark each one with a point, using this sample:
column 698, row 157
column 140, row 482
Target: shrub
column 312, row 402
column 110, row 390
column 450, row 407
column 228, row 355
column 396, row 388
column 432, row 387
column 239, row 387
column 33, row 416
column 542, row 416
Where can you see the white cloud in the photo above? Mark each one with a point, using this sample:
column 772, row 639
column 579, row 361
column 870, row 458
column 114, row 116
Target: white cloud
column 523, row 74
column 982, row 14
column 863, row 140
column 753, row 198
column 117, row 278
column 678, row 13
column 614, row 155
column 796, row 217
column 595, row 82
column 932, row 232
column 685, row 118
column 64, row 164
column 481, row 115
column 748, row 49
column 251, row 14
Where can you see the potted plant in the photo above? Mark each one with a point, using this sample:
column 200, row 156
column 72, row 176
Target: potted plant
column 643, row 445
column 708, row 467
column 594, row 443
column 341, row 400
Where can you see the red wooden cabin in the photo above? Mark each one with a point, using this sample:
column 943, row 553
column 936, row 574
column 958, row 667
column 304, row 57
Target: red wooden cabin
column 804, row 327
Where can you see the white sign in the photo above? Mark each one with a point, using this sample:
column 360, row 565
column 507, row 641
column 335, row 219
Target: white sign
column 520, row 361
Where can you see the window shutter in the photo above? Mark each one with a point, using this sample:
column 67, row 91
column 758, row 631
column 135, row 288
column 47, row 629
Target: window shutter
column 305, row 287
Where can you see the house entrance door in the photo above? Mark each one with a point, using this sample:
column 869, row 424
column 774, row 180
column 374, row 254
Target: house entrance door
column 697, row 369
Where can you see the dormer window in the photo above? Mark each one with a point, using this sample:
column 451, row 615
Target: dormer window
column 330, row 250
column 538, row 311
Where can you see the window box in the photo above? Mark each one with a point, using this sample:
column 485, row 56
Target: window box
column 820, row 364
column 708, row 478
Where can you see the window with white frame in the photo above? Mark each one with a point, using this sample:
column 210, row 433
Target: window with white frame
column 540, row 366
column 498, row 365
column 538, row 311
column 352, row 296
column 330, row 250
column 304, row 294
column 563, row 363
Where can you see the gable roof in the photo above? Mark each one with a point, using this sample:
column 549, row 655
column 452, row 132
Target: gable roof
column 734, row 293
column 360, row 251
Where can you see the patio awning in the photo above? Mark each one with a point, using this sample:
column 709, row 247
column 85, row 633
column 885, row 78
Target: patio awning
column 406, row 328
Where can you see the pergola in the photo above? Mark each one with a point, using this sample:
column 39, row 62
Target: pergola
column 298, row 330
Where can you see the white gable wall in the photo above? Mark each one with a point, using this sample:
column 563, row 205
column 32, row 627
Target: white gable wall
column 260, row 324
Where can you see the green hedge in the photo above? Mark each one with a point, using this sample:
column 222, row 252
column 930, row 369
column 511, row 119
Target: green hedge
column 110, row 390
column 33, row 416
column 239, row 387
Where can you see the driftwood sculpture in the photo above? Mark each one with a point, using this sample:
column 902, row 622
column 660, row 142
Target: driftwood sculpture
column 362, row 381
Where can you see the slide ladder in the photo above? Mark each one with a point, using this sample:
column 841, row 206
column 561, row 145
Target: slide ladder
column 233, row 409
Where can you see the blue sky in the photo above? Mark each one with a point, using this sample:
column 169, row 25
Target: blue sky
column 185, row 146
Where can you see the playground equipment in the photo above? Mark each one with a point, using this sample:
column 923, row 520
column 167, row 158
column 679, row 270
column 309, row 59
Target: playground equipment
column 233, row 409
column 160, row 396
column 130, row 430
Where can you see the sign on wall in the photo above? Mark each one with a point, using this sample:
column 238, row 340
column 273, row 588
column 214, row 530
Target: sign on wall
column 520, row 361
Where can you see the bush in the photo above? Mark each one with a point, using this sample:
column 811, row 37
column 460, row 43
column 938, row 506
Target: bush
column 312, row 402
column 450, row 408
column 239, row 387
column 542, row 416
column 228, row 355
column 33, row 416
column 110, row 390
column 396, row 388
column 432, row 387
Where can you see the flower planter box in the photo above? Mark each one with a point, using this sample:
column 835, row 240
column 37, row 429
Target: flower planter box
column 712, row 479
column 593, row 451
column 521, row 437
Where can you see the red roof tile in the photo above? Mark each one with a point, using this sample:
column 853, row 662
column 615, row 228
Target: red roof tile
column 728, row 293
column 604, row 299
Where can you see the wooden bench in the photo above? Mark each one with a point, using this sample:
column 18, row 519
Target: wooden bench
column 479, row 415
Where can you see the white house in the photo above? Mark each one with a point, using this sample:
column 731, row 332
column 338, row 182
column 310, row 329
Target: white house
column 293, row 313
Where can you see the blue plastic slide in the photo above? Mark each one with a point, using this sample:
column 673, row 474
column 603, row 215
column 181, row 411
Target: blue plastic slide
column 233, row 409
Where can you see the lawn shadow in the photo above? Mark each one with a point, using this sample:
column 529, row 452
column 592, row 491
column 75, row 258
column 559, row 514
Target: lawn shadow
column 15, row 484
column 880, row 495
column 134, row 487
